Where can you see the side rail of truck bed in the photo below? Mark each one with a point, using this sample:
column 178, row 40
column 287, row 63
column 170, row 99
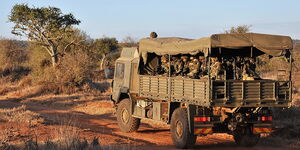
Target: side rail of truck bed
column 230, row 93
column 262, row 93
column 193, row 91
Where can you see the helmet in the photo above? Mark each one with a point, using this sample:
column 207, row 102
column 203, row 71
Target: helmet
column 184, row 57
column 201, row 57
column 213, row 58
column 164, row 58
column 252, row 60
column 153, row 35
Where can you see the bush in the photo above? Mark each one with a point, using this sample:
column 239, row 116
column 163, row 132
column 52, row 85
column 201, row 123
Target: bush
column 274, row 64
column 12, row 53
column 72, row 73
column 13, row 56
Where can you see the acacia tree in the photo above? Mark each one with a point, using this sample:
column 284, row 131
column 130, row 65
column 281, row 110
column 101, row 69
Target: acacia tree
column 46, row 26
column 128, row 41
column 239, row 29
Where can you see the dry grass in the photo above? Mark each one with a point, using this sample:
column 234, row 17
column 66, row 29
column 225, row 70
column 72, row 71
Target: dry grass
column 20, row 114
column 95, row 108
column 16, row 118
column 68, row 141
column 64, row 137
column 6, row 87
column 296, row 99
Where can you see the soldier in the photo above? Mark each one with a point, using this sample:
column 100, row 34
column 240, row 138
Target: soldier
column 249, row 70
column 153, row 35
column 229, row 68
column 177, row 66
column 164, row 65
column 246, row 75
column 194, row 67
column 216, row 68
column 185, row 65
column 238, row 68
column 252, row 67
column 203, row 66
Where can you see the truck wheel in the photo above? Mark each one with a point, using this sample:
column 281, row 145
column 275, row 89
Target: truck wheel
column 181, row 135
column 126, row 122
column 246, row 138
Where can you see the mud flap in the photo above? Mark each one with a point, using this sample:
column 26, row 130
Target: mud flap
column 191, row 110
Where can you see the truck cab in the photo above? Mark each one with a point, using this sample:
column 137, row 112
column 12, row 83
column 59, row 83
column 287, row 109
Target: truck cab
column 126, row 74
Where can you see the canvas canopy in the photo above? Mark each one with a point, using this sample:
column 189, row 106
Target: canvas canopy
column 273, row 45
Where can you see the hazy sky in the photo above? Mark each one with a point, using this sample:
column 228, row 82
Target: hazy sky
column 181, row 18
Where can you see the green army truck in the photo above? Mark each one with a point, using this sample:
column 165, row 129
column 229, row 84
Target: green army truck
column 202, row 106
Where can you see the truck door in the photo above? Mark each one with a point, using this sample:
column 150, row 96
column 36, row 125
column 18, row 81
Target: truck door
column 118, row 80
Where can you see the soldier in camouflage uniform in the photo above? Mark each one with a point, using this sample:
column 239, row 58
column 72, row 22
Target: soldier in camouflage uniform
column 249, row 69
column 252, row 68
column 238, row 68
column 164, row 65
column 246, row 75
column 215, row 68
column 228, row 66
column 194, row 67
column 177, row 65
column 203, row 67
column 185, row 65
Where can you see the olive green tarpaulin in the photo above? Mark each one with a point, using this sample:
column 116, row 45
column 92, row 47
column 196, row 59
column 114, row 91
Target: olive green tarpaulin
column 273, row 45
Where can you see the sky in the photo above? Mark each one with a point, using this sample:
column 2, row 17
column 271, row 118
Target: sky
column 169, row 18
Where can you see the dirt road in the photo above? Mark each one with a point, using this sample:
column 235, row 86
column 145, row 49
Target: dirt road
column 93, row 116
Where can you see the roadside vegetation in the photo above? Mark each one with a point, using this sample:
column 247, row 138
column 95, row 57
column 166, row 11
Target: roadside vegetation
column 56, row 59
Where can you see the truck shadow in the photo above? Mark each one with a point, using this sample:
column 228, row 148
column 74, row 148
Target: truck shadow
column 152, row 130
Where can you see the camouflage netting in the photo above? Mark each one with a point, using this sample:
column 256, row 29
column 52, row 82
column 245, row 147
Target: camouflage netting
column 273, row 45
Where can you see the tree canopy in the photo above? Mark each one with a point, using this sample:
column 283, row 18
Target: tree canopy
column 103, row 47
column 106, row 45
column 45, row 25
column 128, row 41
column 239, row 29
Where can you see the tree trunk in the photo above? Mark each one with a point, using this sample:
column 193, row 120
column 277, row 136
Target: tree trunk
column 54, row 56
column 54, row 60
column 102, row 62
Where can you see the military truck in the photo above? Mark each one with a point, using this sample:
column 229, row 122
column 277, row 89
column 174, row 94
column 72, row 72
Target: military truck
column 198, row 107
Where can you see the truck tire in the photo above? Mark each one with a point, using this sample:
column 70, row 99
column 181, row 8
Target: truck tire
column 181, row 135
column 126, row 122
column 246, row 138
